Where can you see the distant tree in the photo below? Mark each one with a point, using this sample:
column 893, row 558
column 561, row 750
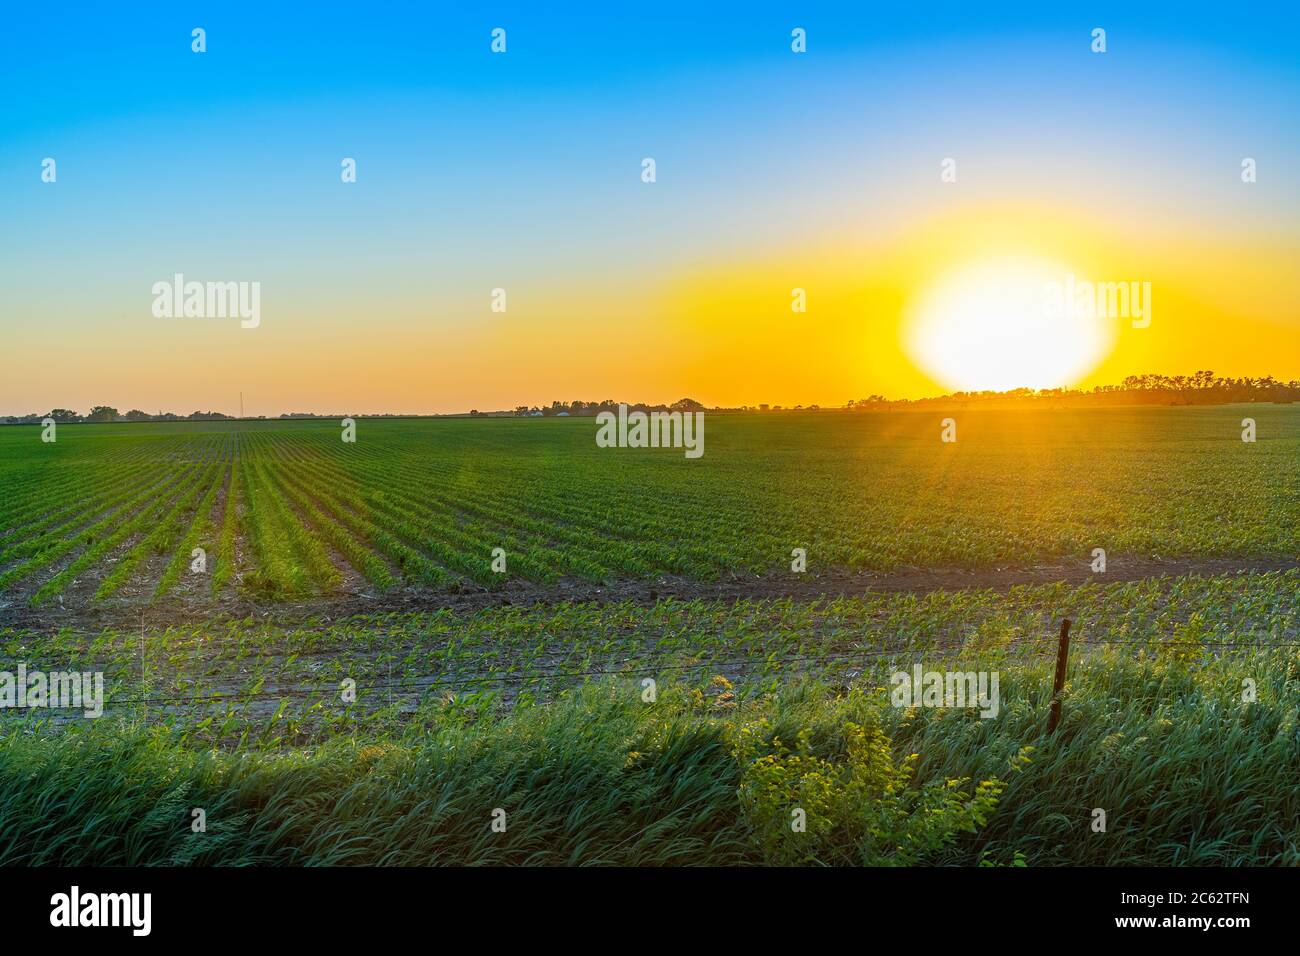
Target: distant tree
column 62, row 415
column 686, row 405
column 135, row 415
column 102, row 413
column 209, row 416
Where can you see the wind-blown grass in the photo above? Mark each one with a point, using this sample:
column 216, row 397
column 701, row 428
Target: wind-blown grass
column 1185, row 770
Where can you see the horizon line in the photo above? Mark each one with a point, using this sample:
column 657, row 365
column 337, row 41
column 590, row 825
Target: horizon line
column 1202, row 381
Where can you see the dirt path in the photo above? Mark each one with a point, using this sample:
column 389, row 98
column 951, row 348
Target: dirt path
column 121, row 613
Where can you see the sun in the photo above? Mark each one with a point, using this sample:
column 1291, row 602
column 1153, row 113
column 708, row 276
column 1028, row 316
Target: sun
column 1002, row 323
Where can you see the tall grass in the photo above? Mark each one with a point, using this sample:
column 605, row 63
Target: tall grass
column 1185, row 771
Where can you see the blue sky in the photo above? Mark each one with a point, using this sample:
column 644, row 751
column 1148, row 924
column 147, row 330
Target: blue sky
column 477, row 170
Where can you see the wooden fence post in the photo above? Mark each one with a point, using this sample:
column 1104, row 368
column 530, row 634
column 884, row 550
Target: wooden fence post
column 1062, row 657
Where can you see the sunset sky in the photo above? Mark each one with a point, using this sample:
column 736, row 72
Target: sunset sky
column 522, row 171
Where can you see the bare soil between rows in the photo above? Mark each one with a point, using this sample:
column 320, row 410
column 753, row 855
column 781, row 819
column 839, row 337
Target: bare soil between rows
column 197, row 607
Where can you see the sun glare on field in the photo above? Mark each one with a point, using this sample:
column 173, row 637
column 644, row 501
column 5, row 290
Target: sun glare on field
column 999, row 324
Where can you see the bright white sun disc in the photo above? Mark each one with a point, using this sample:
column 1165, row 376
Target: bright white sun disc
column 1002, row 324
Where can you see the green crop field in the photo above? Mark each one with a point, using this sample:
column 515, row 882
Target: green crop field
column 307, row 638
column 285, row 510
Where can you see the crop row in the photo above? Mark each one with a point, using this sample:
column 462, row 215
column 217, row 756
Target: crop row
column 290, row 510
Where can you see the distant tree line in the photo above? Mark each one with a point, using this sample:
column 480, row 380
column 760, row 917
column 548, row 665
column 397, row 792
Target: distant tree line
column 1200, row 388
column 577, row 408
column 106, row 413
